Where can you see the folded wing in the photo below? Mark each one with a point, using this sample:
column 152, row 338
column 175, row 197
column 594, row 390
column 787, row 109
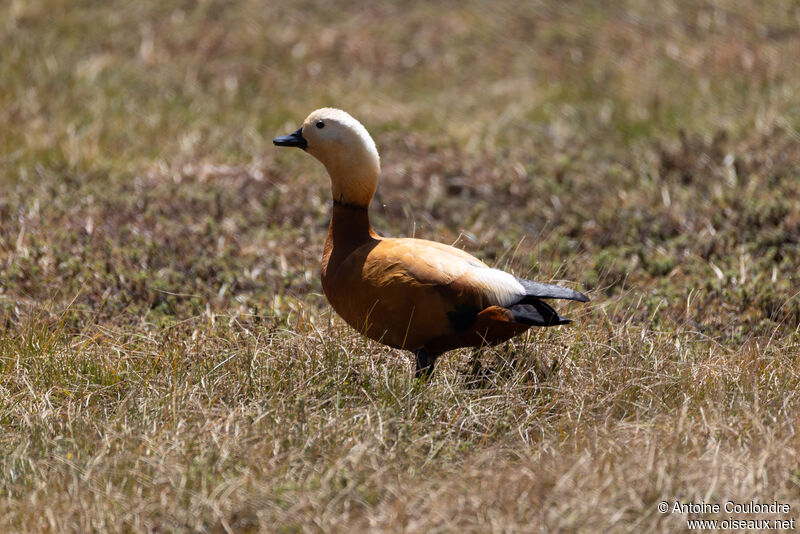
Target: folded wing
column 469, row 285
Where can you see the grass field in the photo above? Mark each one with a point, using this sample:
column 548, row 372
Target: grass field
column 168, row 362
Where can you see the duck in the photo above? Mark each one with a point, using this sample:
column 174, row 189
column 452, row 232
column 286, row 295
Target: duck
column 411, row 294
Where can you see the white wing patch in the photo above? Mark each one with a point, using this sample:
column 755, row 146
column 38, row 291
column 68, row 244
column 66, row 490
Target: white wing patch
column 502, row 289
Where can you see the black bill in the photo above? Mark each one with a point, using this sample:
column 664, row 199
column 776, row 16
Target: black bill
column 293, row 139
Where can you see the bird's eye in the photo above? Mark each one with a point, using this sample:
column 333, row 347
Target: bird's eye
column 320, row 124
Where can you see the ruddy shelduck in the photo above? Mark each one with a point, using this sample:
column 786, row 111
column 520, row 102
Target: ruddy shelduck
column 412, row 294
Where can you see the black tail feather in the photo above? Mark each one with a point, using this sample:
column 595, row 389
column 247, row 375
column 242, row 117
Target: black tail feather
column 537, row 313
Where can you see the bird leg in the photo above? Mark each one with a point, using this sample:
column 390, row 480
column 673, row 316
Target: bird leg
column 479, row 376
column 424, row 363
column 476, row 367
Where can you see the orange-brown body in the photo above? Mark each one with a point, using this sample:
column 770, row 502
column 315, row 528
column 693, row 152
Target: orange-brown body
column 392, row 291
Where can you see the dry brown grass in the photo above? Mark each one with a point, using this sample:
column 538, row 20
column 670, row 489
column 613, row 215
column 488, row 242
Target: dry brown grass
column 167, row 360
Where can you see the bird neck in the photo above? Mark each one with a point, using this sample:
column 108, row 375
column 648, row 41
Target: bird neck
column 349, row 225
column 349, row 229
column 354, row 176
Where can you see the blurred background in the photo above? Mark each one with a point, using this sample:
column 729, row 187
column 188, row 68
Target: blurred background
column 609, row 144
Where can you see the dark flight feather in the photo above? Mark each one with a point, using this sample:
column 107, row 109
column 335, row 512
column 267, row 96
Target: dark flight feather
column 539, row 290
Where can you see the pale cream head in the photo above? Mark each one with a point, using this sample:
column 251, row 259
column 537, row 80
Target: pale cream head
column 348, row 152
